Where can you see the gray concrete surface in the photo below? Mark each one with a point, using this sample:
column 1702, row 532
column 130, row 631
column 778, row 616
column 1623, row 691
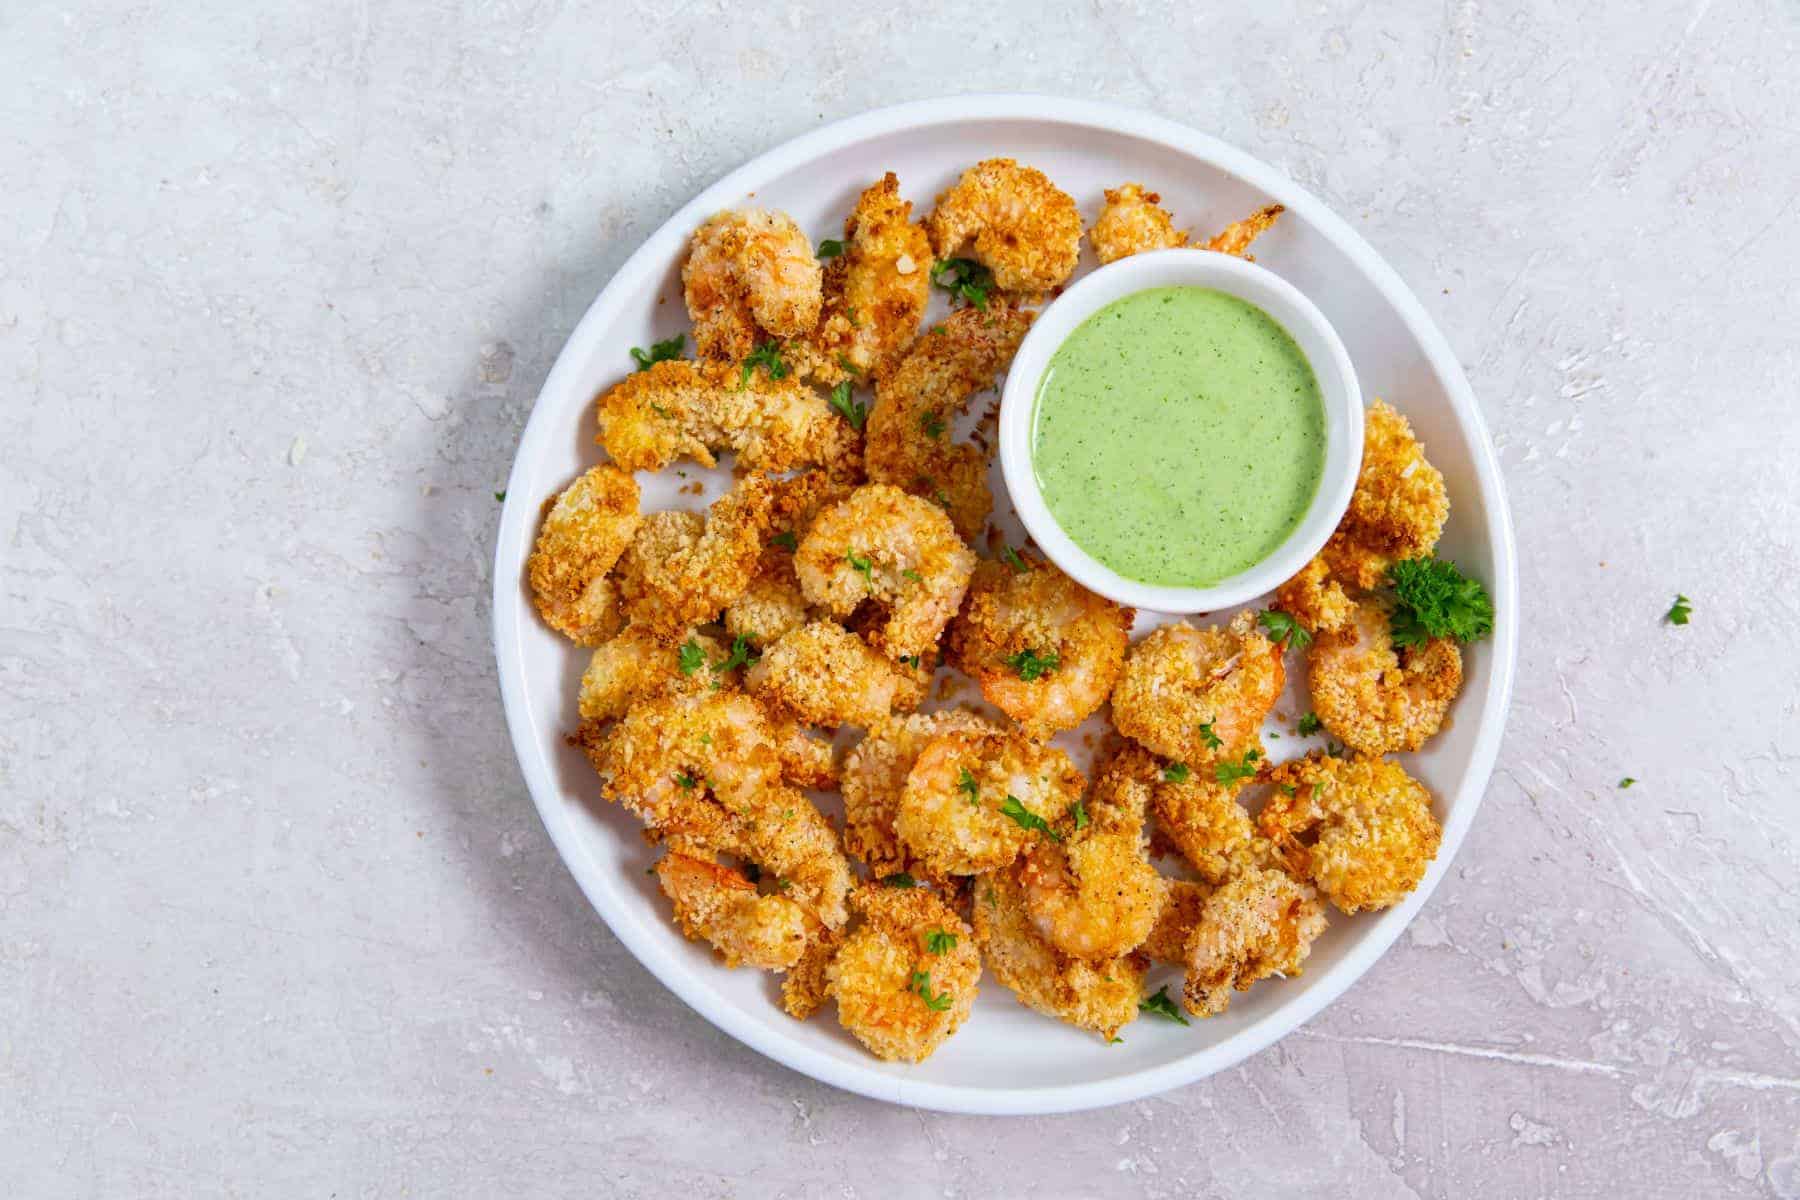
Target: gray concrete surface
column 276, row 292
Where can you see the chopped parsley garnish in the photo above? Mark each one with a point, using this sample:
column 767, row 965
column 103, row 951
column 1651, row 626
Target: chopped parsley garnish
column 850, row 315
column 1626, row 782
column 742, row 655
column 1024, row 818
column 686, row 781
column 1162, row 1006
column 1213, row 741
column 1176, row 772
column 965, row 279
column 1231, row 772
column 768, row 357
column 939, row 942
column 913, row 575
column 932, row 424
column 899, row 879
column 1335, row 748
column 848, row 367
column 1283, row 629
column 861, row 564
column 1030, row 664
column 911, row 660
column 921, row 983
column 965, row 783
column 1309, row 725
column 1437, row 600
column 1011, row 558
column 1081, row 815
column 852, row 411
column 830, row 248
column 691, row 657
column 659, row 352
column 787, row 540
column 500, row 496
column 935, row 329
column 1678, row 611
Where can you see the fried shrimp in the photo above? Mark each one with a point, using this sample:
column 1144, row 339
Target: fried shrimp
column 682, row 569
column 825, row 675
column 1259, row 923
column 680, row 409
column 1183, row 902
column 716, row 904
column 1100, row 996
column 1094, row 895
column 1045, row 650
column 1398, row 508
column 1373, row 698
column 772, row 605
column 807, row 985
column 1200, row 695
column 583, row 535
column 874, row 778
column 875, row 291
column 1014, row 221
column 974, row 801
column 905, row 977
column 639, row 663
column 908, row 439
column 1359, row 829
column 1131, row 222
column 1204, row 820
column 688, row 765
column 901, row 552
column 1315, row 599
column 1237, row 236
column 749, row 270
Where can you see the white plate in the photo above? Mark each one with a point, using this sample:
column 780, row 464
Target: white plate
column 1006, row 1059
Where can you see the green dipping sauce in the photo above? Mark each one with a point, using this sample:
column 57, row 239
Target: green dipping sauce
column 1178, row 435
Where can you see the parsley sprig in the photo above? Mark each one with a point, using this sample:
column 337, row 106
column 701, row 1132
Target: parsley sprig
column 1283, row 629
column 965, row 279
column 743, row 654
column 931, row 424
column 1024, row 818
column 787, row 539
column 1031, row 665
column 1229, row 772
column 1437, row 600
column 690, row 657
column 1212, row 740
column 1175, row 772
column 659, row 352
column 921, row 983
column 853, row 411
column 830, row 248
column 1162, row 1006
column 768, row 357
column 1678, row 611
column 900, row 879
column 1309, row 725
column 937, row 941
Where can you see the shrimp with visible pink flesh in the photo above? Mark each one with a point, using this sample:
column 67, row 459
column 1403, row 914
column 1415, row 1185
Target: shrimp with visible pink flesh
column 1360, row 830
column 974, row 800
column 906, row 976
column 1200, row 696
column 583, row 534
column 1013, row 221
column 1377, row 699
column 875, row 291
column 749, row 270
column 1236, row 237
column 682, row 569
column 825, row 675
column 1257, row 924
column 718, row 905
column 1133, row 221
column 874, row 779
column 1398, row 508
column 639, row 663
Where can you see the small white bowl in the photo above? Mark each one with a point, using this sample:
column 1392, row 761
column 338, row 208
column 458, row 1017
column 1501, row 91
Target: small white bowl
column 1303, row 321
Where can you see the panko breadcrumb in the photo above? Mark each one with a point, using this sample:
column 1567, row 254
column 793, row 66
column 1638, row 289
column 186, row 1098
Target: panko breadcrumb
column 906, row 976
column 1133, row 221
column 582, row 537
column 1360, row 830
column 749, row 270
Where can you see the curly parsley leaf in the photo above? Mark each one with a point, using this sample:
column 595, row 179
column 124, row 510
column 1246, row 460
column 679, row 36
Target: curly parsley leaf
column 900, row 879
column 659, row 352
column 1162, row 1006
column 965, row 279
column 921, row 983
column 690, row 657
column 768, row 357
column 787, row 540
column 965, row 783
column 1437, row 600
column 1213, row 741
column 830, row 248
column 1175, row 772
column 1230, row 772
column 1031, row 665
column 1024, row 818
column 1309, row 725
column 852, row 411
column 1678, row 611
column 861, row 564
column 939, row 942
column 1283, row 629
column 743, row 654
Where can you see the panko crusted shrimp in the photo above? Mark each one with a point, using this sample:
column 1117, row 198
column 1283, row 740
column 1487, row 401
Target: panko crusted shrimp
column 1200, row 696
column 1372, row 697
column 1012, row 220
column 639, row 663
column 974, row 801
column 874, row 779
column 1045, row 650
column 1098, row 996
column 772, row 604
column 1398, row 508
column 681, row 409
column 875, row 291
column 1094, row 895
column 682, row 569
column 1183, row 902
column 1359, row 829
column 749, row 270
column 718, row 905
column 1315, row 599
column 583, row 534
column 906, row 975
column 1257, row 924
column 882, row 545
column 1203, row 819
column 1133, row 221
column 825, row 675
column 909, row 442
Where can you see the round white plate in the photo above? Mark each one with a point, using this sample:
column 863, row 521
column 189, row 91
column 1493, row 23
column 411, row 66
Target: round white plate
column 1006, row 1059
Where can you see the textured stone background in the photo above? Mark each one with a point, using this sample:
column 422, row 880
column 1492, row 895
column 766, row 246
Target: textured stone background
column 276, row 293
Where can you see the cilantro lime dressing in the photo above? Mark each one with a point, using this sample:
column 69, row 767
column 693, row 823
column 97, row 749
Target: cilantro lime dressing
column 1178, row 435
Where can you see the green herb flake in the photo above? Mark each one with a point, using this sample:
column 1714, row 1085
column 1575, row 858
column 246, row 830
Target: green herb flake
column 965, row 279
column 852, row 411
column 900, row 879
column 743, row 654
column 686, row 782
column 1678, row 611
column 1031, row 665
column 690, row 657
column 939, row 942
column 965, row 783
column 500, row 496
column 1437, row 600
column 1309, row 725
column 1162, row 1006
column 858, row 563
column 913, row 575
column 932, row 424
column 659, row 352
column 1081, row 814
column 1228, row 773
column 787, row 540
column 1024, row 818
column 830, row 248
column 1283, row 629
column 921, row 983
column 1212, row 740
column 768, row 357
column 1626, row 782
column 1011, row 558
column 1176, row 772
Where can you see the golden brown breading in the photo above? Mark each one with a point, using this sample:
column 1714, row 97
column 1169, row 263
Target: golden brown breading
column 1237, row 236
column 1373, row 698
column 1203, row 819
column 1131, row 222
column 1257, row 924
column 901, row 552
column 807, row 985
column 807, row 760
column 683, row 569
column 1315, row 599
column 639, row 663
column 715, row 904
column 874, row 778
column 677, row 408
column 1361, row 829
column 907, row 974
column 826, row 675
column 975, row 800
column 1183, row 902
column 1398, row 508
column 909, row 441
column 773, row 604
column 749, row 270
column 1012, row 220
column 1101, row 996
column 875, row 291
column 582, row 536
column 1185, row 688
column 1036, row 622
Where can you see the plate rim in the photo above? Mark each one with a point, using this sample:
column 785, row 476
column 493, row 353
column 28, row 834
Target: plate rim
column 515, row 530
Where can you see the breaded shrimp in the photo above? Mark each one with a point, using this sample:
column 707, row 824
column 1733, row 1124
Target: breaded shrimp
column 1131, row 222
column 1315, row 599
column 683, row 569
column 639, row 663
column 1202, row 817
column 1183, row 902
column 825, row 675
column 1257, row 924
column 1200, row 695
column 875, row 291
column 807, row 985
column 773, row 604
column 1360, row 829
column 583, row 534
column 1398, row 508
column 909, row 443
column 883, row 545
column 716, row 904
column 807, row 760
column 1045, row 650
column 975, row 800
column 906, row 976
column 680, row 409
column 749, row 270
column 1100, row 996
column 1094, row 895
column 1014, row 221
column 874, row 778
column 1237, row 236
column 1373, row 698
